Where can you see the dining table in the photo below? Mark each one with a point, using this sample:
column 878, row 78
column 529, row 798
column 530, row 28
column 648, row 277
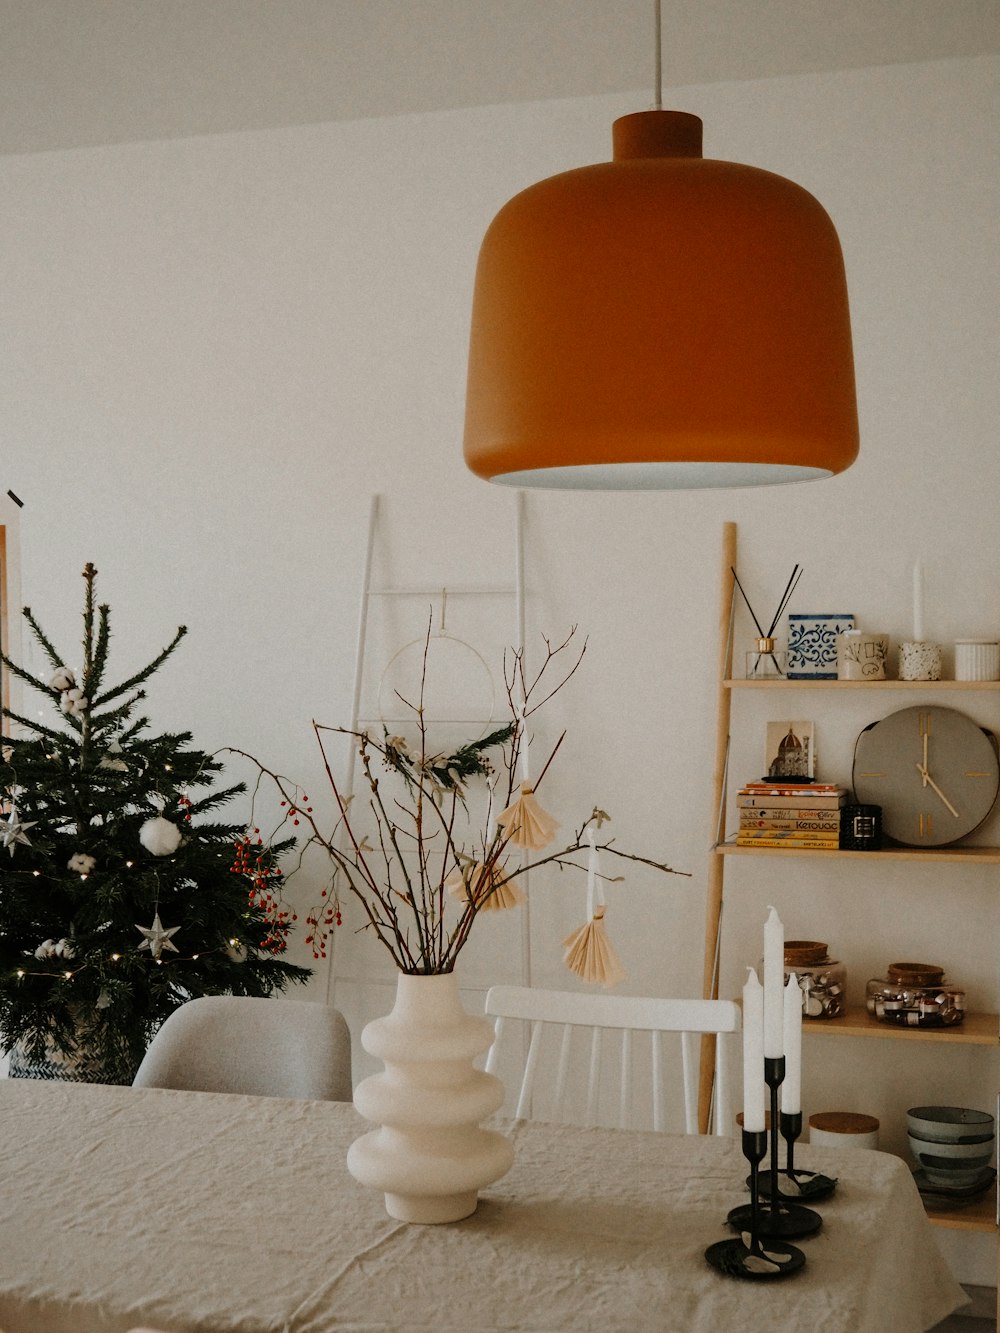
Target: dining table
column 194, row 1212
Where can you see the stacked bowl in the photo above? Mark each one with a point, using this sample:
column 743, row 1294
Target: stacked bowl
column 953, row 1149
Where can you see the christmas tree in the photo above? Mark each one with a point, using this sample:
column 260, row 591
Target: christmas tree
column 122, row 895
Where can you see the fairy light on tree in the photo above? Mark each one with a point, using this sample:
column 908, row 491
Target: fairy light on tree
column 115, row 861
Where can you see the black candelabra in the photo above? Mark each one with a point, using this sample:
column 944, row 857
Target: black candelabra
column 772, row 1215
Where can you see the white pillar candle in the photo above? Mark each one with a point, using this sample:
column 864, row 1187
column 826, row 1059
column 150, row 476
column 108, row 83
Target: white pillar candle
column 753, row 1054
column 774, row 986
column 791, row 1088
column 918, row 603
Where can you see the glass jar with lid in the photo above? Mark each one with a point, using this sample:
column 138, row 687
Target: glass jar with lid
column 822, row 979
column 915, row 995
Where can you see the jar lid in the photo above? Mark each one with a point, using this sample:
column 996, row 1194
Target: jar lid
column 844, row 1122
column 804, row 951
column 916, row 974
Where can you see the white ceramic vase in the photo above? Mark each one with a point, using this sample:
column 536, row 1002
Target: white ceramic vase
column 429, row 1155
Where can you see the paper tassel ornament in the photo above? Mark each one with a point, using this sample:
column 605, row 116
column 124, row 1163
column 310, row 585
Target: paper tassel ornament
column 589, row 952
column 504, row 896
column 526, row 823
column 475, row 881
column 457, row 884
column 591, row 955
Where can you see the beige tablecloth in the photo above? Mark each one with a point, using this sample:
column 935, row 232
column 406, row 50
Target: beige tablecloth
column 216, row 1214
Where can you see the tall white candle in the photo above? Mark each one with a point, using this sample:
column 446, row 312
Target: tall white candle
column 918, row 603
column 753, row 1053
column 774, row 985
column 791, row 1088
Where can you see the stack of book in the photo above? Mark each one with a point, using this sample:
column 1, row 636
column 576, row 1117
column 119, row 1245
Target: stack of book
column 792, row 815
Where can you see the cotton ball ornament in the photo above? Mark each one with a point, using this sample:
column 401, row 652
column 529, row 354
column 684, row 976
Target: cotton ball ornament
column 159, row 836
column 74, row 702
column 63, row 679
column 81, row 863
column 65, row 949
column 47, row 949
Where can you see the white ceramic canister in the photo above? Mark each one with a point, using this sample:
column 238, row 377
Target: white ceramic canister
column 843, row 1129
column 861, row 655
column 977, row 659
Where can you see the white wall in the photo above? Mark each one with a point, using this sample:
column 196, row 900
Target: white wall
column 216, row 349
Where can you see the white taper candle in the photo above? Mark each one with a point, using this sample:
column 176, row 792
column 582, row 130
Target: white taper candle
column 774, row 985
column 753, row 1053
column 918, row 602
column 791, row 1088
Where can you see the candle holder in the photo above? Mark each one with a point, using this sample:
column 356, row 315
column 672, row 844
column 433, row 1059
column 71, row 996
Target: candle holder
column 744, row 1256
column 795, row 1185
column 919, row 659
column 782, row 1217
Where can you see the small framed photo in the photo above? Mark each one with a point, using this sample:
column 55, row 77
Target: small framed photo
column 791, row 752
column 812, row 645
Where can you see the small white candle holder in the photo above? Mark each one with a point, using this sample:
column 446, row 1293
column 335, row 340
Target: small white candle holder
column 919, row 660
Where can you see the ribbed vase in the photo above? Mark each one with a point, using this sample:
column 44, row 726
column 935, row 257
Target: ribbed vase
column 429, row 1155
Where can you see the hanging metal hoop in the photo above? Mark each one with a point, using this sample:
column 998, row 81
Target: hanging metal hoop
column 397, row 705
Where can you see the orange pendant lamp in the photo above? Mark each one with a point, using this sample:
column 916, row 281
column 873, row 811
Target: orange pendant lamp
column 662, row 320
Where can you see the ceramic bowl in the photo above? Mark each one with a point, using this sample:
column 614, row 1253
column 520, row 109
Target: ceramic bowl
column 958, row 1182
column 951, row 1156
column 949, row 1124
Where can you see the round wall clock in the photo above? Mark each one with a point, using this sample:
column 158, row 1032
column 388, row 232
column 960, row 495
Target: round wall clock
column 933, row 771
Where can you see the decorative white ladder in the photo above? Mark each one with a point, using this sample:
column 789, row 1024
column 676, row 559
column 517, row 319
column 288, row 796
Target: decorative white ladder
column 368, row 593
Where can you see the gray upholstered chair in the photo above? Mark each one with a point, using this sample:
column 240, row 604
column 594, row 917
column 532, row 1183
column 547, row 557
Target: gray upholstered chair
column 264, row 1047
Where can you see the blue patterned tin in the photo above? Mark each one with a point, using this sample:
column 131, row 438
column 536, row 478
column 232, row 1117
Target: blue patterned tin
column 812, row 645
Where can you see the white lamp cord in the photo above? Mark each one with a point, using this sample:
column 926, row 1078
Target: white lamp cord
column 658, row 88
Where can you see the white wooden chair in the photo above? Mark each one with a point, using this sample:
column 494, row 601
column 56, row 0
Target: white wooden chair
column 570, row 1011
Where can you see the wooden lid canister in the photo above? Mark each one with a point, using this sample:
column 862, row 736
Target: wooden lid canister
column 849, row 1129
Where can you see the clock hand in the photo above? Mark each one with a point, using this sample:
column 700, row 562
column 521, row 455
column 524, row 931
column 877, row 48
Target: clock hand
column 929, row 781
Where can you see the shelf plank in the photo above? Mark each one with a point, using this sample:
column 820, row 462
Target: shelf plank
column 980, row 855
column 976, row 1029
column 934, row 685
column 980, row 1215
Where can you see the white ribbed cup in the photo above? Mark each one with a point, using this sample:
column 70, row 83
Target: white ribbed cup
column 977, row 659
